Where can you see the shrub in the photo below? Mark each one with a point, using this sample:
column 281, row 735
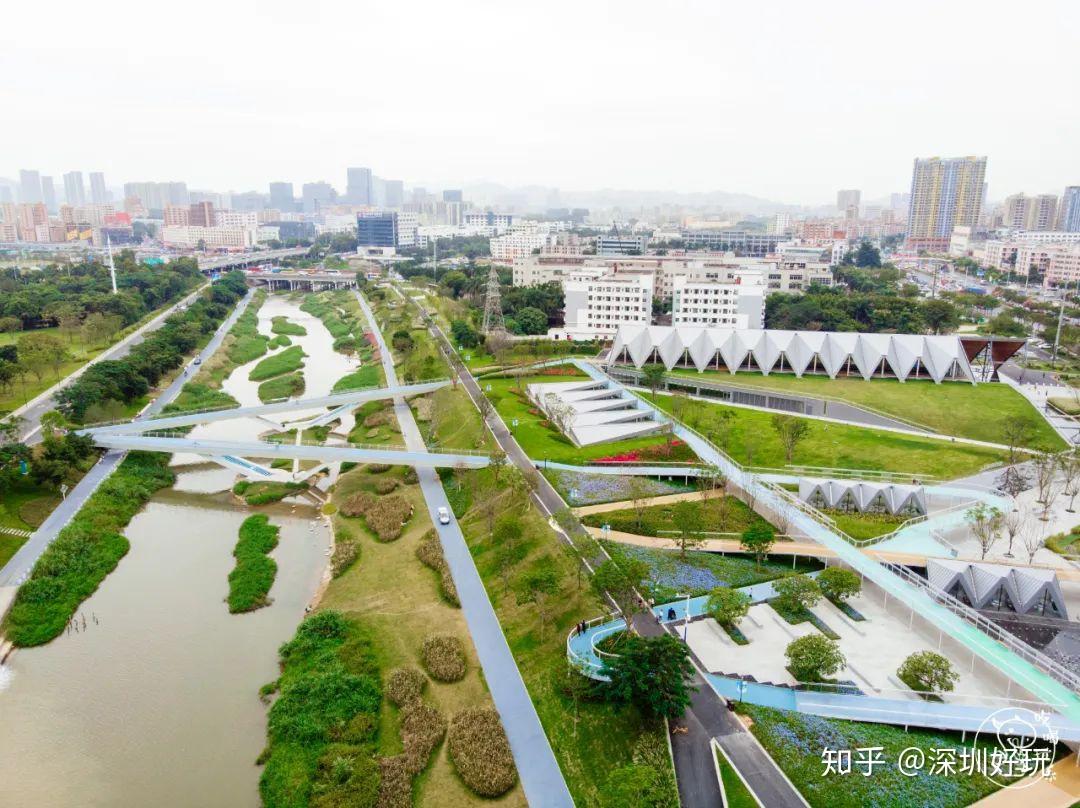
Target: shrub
column 374, row 420
column 444, row 658
column 430, row 553
column 377, row 468
column 386, row 485
column 839, row 584
column 422, row 730
column 346, row 551
column 405, row 685
column 395, row 789
column 358, row 504
column 797, row 592
column 813, row 657
column 411, row 477
column 254, row 573
column 387, row 517
column 480, row 752
column 727, row 606
column 928, row 671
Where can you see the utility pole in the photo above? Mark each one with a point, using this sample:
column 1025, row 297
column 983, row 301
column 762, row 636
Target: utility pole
column 112, row 266
column 435, row 258
column 1061, row 315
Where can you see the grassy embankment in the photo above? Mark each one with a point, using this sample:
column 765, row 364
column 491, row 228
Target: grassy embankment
column 951, row 408
column 85, row 551
column 254, row 573
column 796, row 742
column 283, row 326
column 727, row 514
column 542, row 440
column 736, row 794
column 753, row 441
column 416, row 356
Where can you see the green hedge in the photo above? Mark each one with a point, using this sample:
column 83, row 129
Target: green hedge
column 282, row 325
column 85, row 551
column 254, row 573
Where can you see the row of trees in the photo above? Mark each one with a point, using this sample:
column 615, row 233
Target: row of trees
column 823, row 308
column 124, row 380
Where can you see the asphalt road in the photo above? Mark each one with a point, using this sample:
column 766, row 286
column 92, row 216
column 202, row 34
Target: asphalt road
column 32, row 411
column 541, row 778
column 19, row 565
column 708, row 716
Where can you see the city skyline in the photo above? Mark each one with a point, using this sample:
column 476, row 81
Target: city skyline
column 812, row 105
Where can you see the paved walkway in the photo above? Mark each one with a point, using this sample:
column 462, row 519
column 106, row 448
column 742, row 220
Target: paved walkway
column 1038, row 394
column 1063, row 792
column 666, row 499
column 19, row 565
column 540, row 775
column 32, row 411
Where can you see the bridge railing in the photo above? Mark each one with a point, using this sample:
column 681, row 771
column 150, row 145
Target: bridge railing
column 1050, row 667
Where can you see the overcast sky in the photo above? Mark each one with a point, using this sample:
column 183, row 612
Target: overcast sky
column 788, row 100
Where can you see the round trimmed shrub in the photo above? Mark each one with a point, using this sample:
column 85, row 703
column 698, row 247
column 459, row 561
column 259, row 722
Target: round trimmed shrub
column 357, row 504
column 404, row 686
column 422, row 730
column 385, row 485
column 480, row 752
column 377, row 468
column 444, row 658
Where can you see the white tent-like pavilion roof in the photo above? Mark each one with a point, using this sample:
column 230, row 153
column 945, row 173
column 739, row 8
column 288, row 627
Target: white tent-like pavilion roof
column 980, row 583
column 940, row 357
column 864, row 496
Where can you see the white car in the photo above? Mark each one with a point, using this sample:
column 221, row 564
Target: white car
column 444, row 516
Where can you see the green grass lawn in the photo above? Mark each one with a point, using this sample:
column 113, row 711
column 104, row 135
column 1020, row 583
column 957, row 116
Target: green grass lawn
column 796, row 742
column 862, row 526
column 449, row 420
column 726, row 515
column 545, row 442
column 369, row 375
column 291, row 384
column 283, row 325
column 951, row 408
column 754, row 442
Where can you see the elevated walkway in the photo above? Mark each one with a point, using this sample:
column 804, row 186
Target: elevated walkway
column 339, row 401
column 302, row 451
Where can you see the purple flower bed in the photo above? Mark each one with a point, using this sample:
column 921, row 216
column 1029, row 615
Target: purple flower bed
column 593, row 489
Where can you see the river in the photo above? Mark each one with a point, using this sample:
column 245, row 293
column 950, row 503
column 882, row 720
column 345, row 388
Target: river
column 152, row 699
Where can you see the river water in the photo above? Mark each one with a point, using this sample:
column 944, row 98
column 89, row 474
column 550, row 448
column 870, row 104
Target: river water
column 152, row 700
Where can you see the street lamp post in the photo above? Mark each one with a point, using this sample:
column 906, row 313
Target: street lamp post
column 686, row 616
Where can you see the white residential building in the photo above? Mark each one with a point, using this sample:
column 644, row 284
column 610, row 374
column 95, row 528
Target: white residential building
column 721, row 305
column 597, row 303
column 212, row 237
column 518, row 243
column 236, row 219
column 621, row 245
column 267, row 232
column 408, row 225
column 1064, row 265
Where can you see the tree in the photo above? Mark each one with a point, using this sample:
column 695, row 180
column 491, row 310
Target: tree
column 1017, row 431
column 867, row 255
column 68, row 317
column 622, row 581
column 638, row 490
column 652, row 375
column 813, row 658
column 497, row 461
column 719, row 428
column 940, row 315
column 40, row 351
column 838, row 584
column 1034, row 540
column 1011, row 523
column 689, row 521
column 797, row 592
column 985, row 523
column 791, row 431
column 758, row 540
column 927, row 672
column 537, row 586
column 652, row 673
column 402, row 341
column 1070, row 475
column 1046, row 466
column 531, row 320
column 727, row 606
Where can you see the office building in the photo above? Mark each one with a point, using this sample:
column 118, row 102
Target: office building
column 317, row 195
column 48, row 193
column 29, row 187
column 359, row 188
column 74, row 190
column 621, row 245
column 453, row 195
column 210, row 238
column 720, row 305
column 945, row 193
column 99, row 194
column 1069, row 213
column 377, row 230
column 408, row 229
column 847, row 199
column 202, row 215
column 236, row 219
column 281, row 196
column 740, row 241
column 394, row 192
